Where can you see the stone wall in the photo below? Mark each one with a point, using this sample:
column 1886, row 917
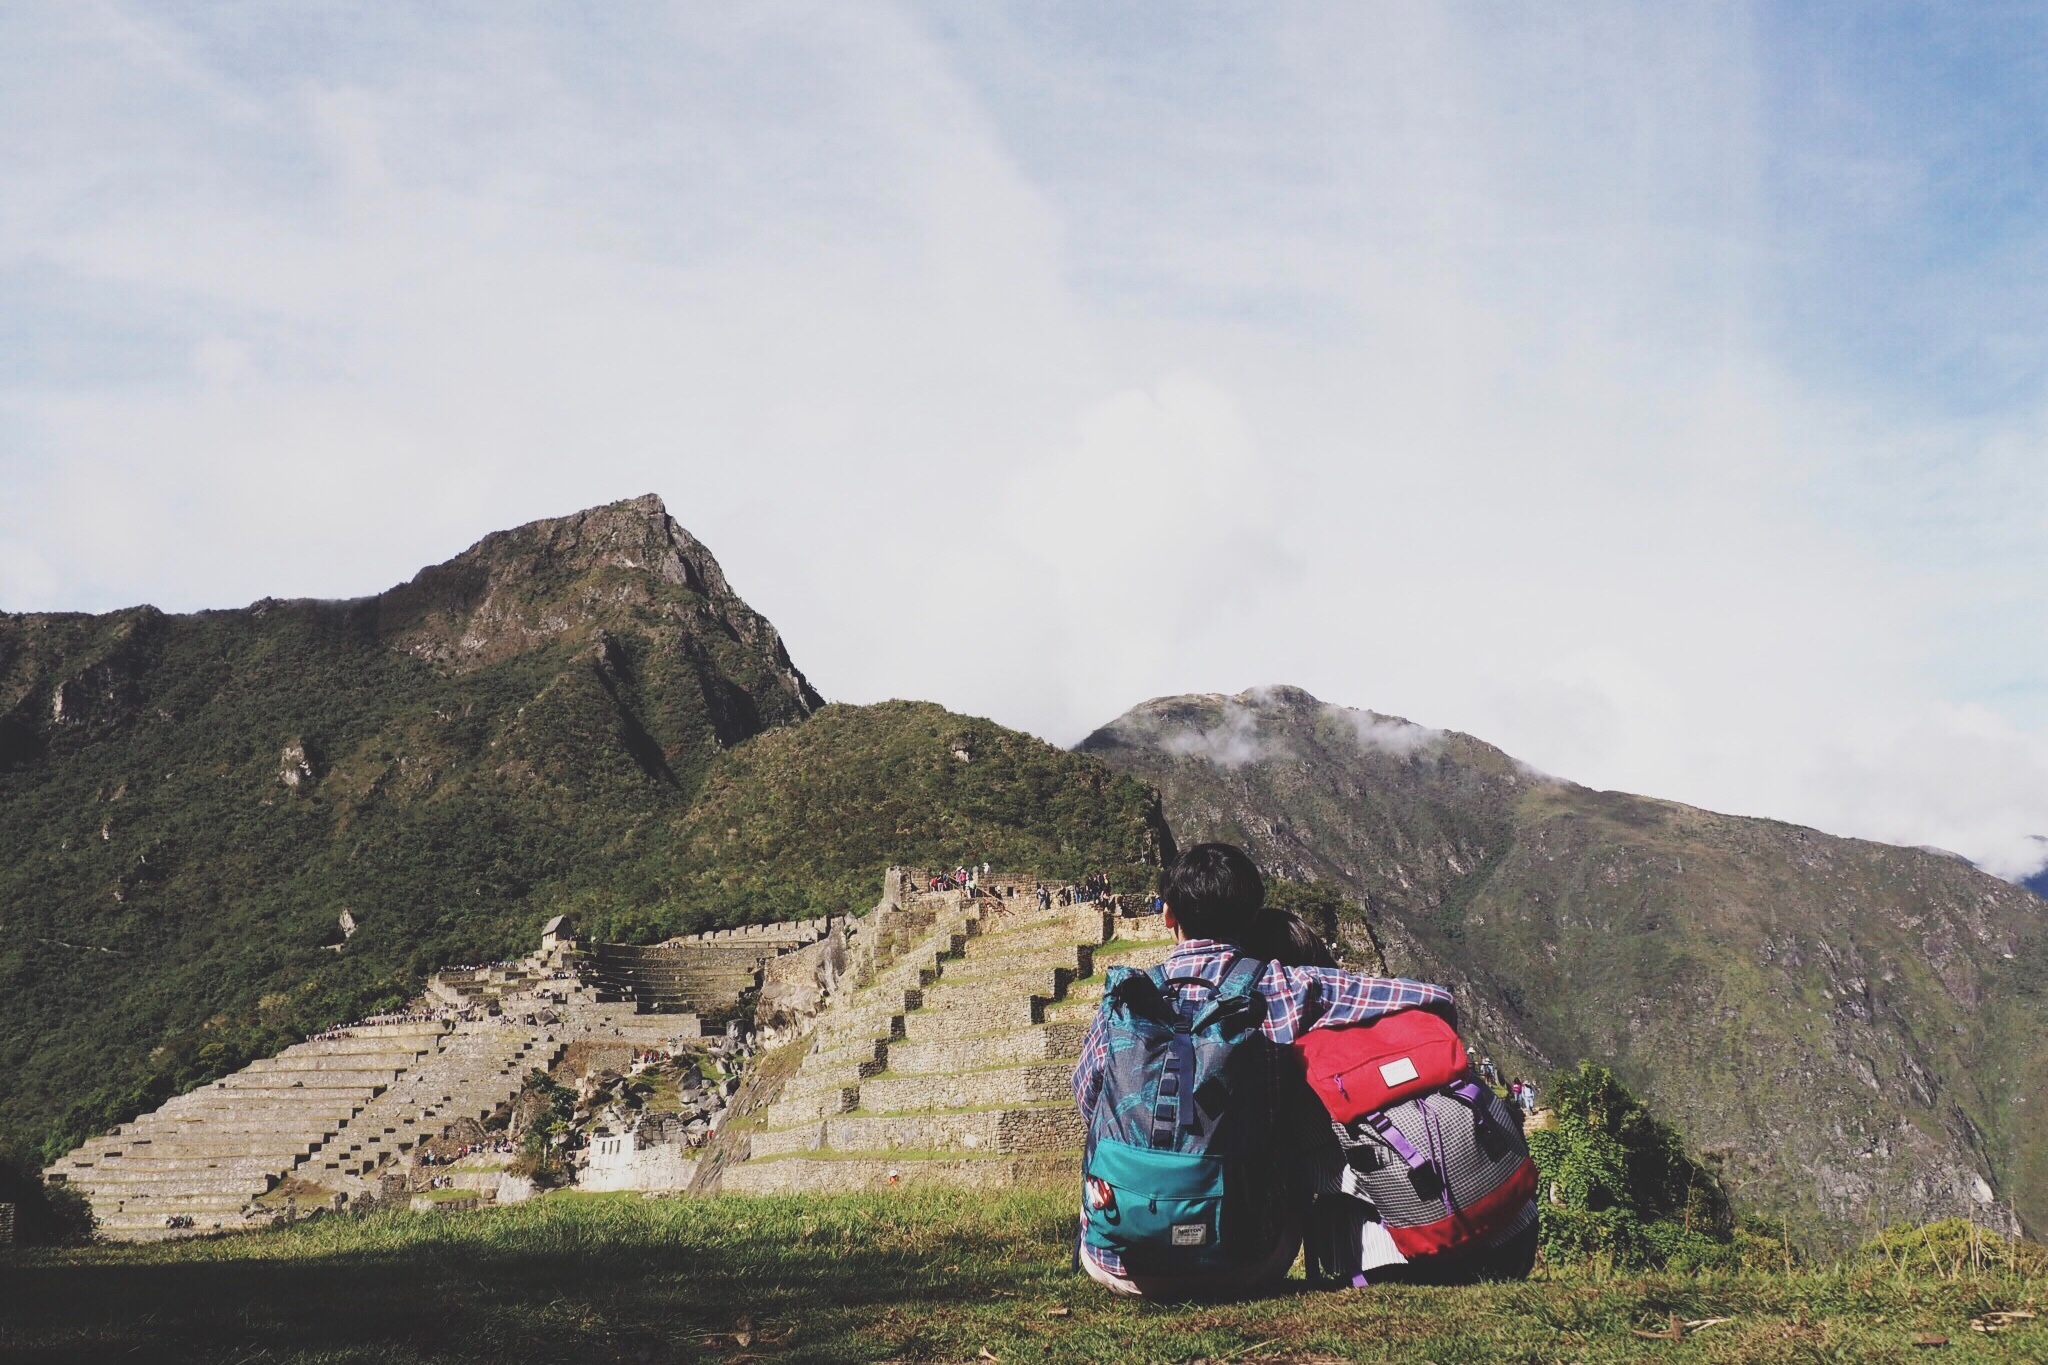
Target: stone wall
column 790, row 931
column 795, row 986
column 620, row 1163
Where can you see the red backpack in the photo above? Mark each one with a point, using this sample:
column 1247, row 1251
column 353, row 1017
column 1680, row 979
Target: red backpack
column 1439, row 1155
column 1367, row 1067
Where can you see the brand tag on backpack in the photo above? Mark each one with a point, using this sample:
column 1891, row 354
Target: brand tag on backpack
column 1398, row 1072
column 1190, row 1234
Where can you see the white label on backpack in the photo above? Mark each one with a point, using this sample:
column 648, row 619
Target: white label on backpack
column 1398, row 1072
column 1190, row 1234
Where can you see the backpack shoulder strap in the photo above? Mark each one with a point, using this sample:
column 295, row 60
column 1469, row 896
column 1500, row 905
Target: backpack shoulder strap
column 1241, row 977
column 1177, row 1077
column 1236, row 991
column 1467, row 1092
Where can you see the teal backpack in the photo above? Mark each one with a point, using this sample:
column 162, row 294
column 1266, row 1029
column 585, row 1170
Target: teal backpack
column 1180, row 1176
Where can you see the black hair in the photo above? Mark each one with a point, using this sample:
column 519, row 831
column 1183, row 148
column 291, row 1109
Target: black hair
column 1284, row 937
column 1214, row 891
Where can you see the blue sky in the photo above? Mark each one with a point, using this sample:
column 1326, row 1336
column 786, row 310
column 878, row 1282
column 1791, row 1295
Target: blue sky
column 1656, row 391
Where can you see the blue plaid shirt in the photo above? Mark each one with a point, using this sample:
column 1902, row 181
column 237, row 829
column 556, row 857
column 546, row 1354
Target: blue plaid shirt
column 1297, row 999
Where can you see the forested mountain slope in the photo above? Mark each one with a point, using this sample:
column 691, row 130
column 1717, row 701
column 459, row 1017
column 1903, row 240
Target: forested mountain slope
column 564, row 717
column 1850, row 1029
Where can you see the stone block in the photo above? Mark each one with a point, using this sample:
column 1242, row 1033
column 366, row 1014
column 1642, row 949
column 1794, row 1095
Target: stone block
column 971, row 1012
column 1045, row 983
column 1042, row 1042
column 1051, row 1128
column 1036, row 1083
column 1018, row 971
column 814, row 1104
column 1069, row 927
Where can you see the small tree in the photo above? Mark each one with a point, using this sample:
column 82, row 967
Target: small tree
column 549, row 1107
column 1615, row 1182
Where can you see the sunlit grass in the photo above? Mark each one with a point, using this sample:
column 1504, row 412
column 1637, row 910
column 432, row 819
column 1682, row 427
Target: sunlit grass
column 917, row 1275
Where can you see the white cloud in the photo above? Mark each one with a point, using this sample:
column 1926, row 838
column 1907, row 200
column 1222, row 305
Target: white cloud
column 1430, row 360
column 1230, row 743
column 1390, row 734
column 1141, row 533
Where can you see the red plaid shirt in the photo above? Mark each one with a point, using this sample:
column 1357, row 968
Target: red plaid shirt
column 1297, row 999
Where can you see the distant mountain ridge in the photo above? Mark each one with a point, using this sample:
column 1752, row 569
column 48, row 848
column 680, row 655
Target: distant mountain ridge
column 1848, row 1029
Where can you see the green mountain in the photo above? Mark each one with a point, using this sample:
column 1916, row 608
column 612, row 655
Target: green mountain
column 577, row 715
column 1848, row 1030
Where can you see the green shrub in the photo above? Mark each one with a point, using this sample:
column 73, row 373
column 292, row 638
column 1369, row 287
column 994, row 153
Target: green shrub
column 1616, row 1186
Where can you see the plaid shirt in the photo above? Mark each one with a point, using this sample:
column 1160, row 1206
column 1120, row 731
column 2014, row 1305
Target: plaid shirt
column 1297, row 999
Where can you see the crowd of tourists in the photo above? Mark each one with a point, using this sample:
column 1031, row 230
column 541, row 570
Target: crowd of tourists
column 499, row 1147
column 445, row 1014
column 974, row 879
column 473, row 1012
column 971, row 878
column 1092, row 889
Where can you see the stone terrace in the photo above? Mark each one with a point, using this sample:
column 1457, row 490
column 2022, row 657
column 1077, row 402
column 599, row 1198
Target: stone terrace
column 206, row 1155
column 944, row 1055
column 951, row 1060
column 479, row 1068
column 334, row 1112
column 704, row 974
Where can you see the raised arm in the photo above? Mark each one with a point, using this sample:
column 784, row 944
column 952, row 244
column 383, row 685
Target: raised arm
column 1302, row 998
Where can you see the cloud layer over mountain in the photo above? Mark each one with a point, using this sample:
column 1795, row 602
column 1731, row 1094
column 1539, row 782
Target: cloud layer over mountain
column 1654, row 392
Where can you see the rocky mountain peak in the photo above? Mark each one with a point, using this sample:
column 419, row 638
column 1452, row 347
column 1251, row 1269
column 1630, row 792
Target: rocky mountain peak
column 624, row 567
column 636, row 535
column 1279, row 721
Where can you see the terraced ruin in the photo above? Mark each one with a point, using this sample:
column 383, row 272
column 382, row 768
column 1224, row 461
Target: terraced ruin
column 333, row 1115
column 949, row 1055
column 706, row 974
column 942, row 1051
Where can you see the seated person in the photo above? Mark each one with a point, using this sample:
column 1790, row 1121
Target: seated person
column 1346, row 1239
column 1213, row 896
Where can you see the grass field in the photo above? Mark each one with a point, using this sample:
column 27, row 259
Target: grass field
column 910, row 1277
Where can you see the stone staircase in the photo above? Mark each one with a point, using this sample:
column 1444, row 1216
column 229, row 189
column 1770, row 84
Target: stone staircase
column 478, row 1068
column 953, row 1061
column 206, row 1155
